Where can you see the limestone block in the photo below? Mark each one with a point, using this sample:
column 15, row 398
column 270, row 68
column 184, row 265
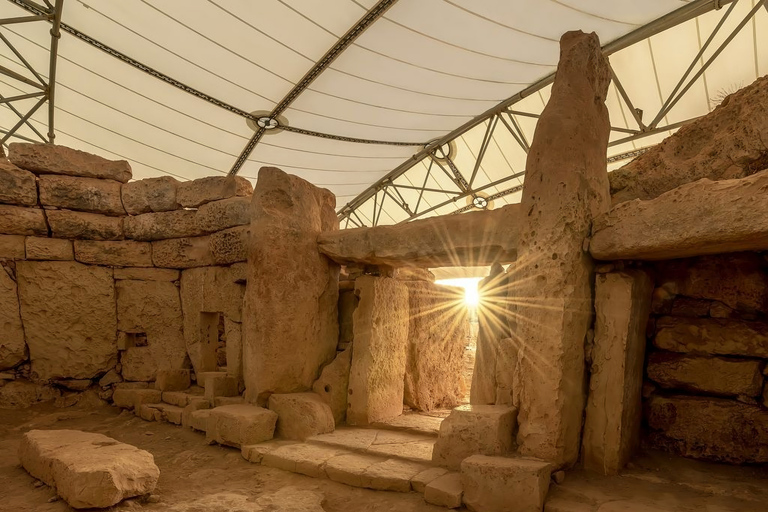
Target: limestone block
column 712, row 336
column 228, row 400
column 349, row 468
column 182, row 253
column 288, row 279
column 218, row 384
column 566, row 187
column 13, row 349
column 88, row 470
column 178, row 398
column 614, row 405
column 724, row 144
column 693, row 308
column 20, row 220
column 709, row 375
column 496, row 484
column 148, row 274
column 153, row 308
column 737, row 280
column 391, row 475
column 109, row 378
column 212, row 290
column 419, row 481
column 138, row 364
column 376, row 379
column 495, row 358
column 709, row 428
column 134, row 398
column 191, row 194
column 17, row 186
column 333, row 385
column 49, row 249
column 86, row 226
column 68, row 312
column 474, row 238
column 696, row 231
column 120, row 253
column 230, row 245
column 237, row 425
column 149, row 413
column 162, row 225
column 301, row 415
column 474, row 429
column 50, row 159
column 81, row 194
column 445, row 491
column 172, row 380
column 194, row 404
column 12, row 247
column 305, row 459
column 19, row 394
column 150, row 195
column 438, row 330
column 198, row 419
column 223, row 214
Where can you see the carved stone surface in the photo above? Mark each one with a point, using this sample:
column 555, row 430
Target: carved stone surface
column 87, row 226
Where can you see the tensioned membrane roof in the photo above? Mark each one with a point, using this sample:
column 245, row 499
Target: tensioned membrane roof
column 174, row 95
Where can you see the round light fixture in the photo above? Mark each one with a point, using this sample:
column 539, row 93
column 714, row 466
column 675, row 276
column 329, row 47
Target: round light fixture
column 263, row 120
column 480, row 201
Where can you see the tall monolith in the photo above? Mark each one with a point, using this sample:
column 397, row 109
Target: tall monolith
column 290, row 313
column 566, row 186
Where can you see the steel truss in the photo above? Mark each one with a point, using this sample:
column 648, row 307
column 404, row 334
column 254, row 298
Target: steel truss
column 44, row 90
column 505, row 117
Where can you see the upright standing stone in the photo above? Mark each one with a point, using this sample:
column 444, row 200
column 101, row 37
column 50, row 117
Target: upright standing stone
column 492, row 328
column 376, row 379
column 566, row 186
column 614, row 408
column 13, row 349
column 291, row 319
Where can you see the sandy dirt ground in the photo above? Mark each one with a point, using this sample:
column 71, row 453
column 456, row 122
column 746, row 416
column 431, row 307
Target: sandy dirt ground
column 189, row 469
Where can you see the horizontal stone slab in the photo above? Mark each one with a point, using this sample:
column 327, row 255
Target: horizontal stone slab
column 51, row 159
column 163, row 225
column 12, row 247
column 17, row 186
column 88, row 470
column 49, row 249
column 191, row 194
column 186, row 252
column 710, row 375
column 230, row 245
column 223, row 214
column 81, row 194
column 704, row 217
column 148, row 274
column 470, row 239
column 150, row 195
column 20, row 220
column 83, row 225
column 118, row 253
column 709, row 428
column 712, row 336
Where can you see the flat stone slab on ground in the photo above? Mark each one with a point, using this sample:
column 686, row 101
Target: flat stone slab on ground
column 500, row 484
column 287, row 499
column 86, row 469
column 306, row 459
column 416, row 423
column 391, row 475
column 445, row 491
column 420, row 481
column 403, row 445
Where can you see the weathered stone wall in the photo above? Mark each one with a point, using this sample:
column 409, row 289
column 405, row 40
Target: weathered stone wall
column 706, row 394
column 104, row 280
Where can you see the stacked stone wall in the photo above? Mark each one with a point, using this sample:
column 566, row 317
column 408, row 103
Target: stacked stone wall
column 103, row 280
column 705, row 390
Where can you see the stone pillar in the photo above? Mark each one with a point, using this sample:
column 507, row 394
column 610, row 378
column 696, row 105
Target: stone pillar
column 566, row 186
column 614, row 407
column 290, row 313
column 492, row 329
column 376, row 378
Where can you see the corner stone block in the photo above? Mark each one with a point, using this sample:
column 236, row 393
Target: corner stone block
column 238, row 425
column 218, row 384
column 52, row 159
column 223, row 214
column 301, row 415
column 17, row 186
column 191, row 194
column 498, row 484
column 172, row 380
column 445, row 491
column 194, row 404
column 474, row 429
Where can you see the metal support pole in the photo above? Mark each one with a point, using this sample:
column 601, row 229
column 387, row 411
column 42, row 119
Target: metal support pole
column 55, row 36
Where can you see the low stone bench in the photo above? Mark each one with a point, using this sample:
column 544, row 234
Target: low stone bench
column 238, row 425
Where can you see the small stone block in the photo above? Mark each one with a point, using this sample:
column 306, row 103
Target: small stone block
column 49, row 249
column 236, row 425
column 474, row 429
column 194, row 404
column 172, row 380
column 305, row 459
column 177, row 398
column 445, row 491
column 218, row 384
column 420, row 481
column 391, row 475
column 149, row 413
column 499, row 484
column 301, row 415
column 172, row 414
column 255, row 452
column 199, row 419
column 228, row 400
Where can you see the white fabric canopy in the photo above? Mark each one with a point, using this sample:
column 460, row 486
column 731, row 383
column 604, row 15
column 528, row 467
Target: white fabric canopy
column 421, row 70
